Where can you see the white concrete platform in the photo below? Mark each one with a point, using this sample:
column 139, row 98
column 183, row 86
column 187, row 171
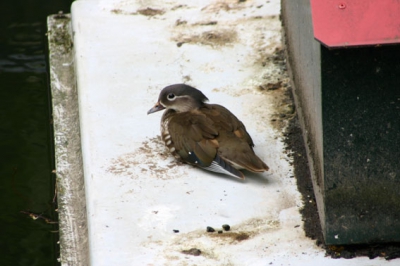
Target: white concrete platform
column 126, row 51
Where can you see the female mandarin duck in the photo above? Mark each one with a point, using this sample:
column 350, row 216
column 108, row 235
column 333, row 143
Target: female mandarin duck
column 205, row 135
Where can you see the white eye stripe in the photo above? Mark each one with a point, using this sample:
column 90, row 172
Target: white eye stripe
column 171, row 97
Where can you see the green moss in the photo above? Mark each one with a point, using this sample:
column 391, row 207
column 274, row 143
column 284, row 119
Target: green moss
column 61, row 37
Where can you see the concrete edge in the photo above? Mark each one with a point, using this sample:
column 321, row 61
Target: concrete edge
column 73, row 228
column 314, row 156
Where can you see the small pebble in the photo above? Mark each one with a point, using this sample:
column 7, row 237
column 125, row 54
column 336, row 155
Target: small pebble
column 175, row 231
column 226, row 227
column 210, row 229
column 219, row 231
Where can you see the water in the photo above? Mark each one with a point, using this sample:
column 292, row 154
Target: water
column 26, row 148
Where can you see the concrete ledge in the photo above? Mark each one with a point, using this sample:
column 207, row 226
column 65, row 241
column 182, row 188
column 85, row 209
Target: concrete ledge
column 137, row 195
column 303, row 53
column 73, row 230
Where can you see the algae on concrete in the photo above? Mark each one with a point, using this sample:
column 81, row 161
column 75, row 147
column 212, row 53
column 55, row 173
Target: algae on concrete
column 74, row 244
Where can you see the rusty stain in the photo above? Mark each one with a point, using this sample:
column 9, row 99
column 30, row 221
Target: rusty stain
column 234, row 236
column 211, row 38
column 152, row 159
column 150, row 12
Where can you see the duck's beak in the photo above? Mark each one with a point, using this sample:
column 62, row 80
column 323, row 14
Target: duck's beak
column 156, row 108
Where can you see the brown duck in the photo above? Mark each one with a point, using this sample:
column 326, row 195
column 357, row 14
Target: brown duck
column 205, row 135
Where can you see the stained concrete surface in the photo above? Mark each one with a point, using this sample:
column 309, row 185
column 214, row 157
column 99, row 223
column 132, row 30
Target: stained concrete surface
column 137, row 195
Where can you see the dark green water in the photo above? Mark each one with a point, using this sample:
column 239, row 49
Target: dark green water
column 26, row 148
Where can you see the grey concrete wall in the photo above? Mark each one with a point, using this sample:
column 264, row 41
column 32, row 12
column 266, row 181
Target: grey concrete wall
column 303, row 53
column 348, row 103
column 73, row 229
column 361, row 128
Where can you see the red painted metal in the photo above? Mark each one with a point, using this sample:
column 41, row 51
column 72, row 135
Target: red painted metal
column 339, row 23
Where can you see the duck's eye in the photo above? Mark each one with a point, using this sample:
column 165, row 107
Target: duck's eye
column 171, row 96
